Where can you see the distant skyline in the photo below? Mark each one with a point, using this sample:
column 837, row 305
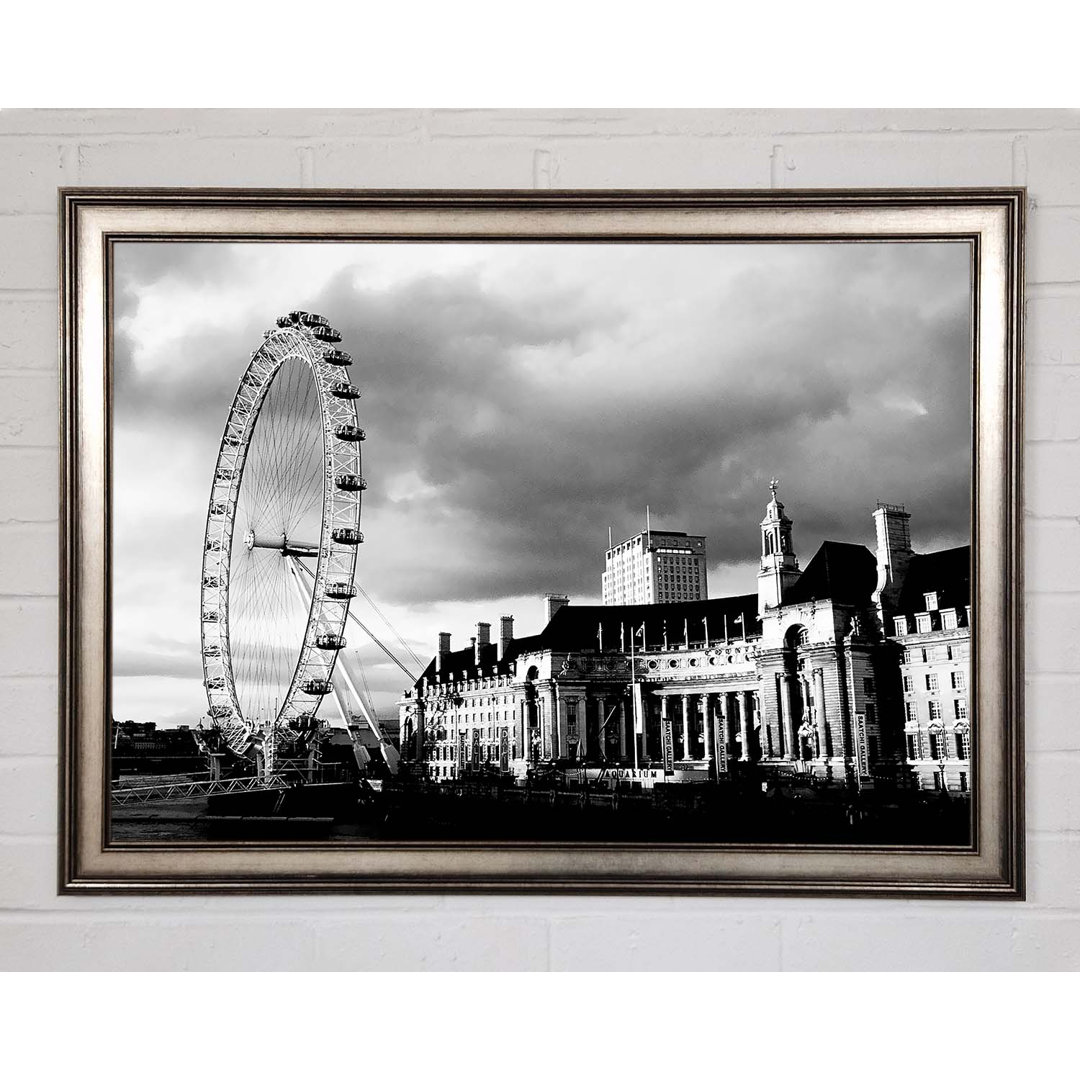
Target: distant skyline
column 520, row 400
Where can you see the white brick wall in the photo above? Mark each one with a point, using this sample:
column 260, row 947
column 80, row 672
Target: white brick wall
column 542, row 148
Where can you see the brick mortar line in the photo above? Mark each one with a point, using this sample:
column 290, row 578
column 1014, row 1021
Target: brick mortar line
column 534, row 127
column 1005, row 135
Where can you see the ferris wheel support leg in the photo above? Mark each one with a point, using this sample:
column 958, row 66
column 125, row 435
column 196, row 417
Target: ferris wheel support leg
column 360, row 751
column 389, row 751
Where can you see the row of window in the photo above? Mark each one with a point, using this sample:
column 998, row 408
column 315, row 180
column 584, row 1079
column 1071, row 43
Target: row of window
column 924, row 621
column 924, row 656
column 957, row 679
column 939, row 743
column 487, row 752
column 961, row 778
column 911, row 710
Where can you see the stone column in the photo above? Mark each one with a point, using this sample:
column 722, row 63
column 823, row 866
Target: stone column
column 558, row 726
column 643, row 749
column 786, row 706
column 751, row 716
column 601, row 728
column 552, row 709
column 622, row 729
column 522, row 731
column 819, row 711
column 744, row 725
column 686, row 752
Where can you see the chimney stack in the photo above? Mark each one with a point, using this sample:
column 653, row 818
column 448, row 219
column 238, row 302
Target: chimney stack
column 483, row 637
column 506, row 635
column 444, row 652
column 552, row 603
column 893, row 527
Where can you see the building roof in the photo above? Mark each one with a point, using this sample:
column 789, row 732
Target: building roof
column 948, row 573
column 844, row 573
column 653, row 534
column 576, row 628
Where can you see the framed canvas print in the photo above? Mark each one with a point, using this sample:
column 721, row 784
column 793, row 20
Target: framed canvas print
column 610, row 541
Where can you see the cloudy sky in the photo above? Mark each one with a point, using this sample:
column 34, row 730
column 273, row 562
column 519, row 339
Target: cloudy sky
column 521, row 399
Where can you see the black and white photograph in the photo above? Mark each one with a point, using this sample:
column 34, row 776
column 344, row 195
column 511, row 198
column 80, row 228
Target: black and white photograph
column 658, row 543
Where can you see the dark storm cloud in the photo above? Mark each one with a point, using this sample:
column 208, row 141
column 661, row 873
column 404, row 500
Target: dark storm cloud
column 820, row 376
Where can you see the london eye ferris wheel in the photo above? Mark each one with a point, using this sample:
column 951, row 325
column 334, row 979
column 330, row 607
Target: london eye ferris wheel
column 282, row 532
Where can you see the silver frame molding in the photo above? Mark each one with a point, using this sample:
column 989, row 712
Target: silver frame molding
column 991, row 220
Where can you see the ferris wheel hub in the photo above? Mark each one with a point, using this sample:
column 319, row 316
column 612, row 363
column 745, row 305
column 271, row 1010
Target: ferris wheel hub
column 283, row 543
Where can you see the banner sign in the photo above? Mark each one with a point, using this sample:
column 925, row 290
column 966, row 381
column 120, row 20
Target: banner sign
column 461, row 753
column 668, row 746
column 504, row 750
column 639, row 710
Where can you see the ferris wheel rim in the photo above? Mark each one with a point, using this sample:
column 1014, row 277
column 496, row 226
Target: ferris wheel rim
column 339, row 533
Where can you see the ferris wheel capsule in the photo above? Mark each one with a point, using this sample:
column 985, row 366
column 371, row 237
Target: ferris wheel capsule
column 345, row 390
column 349, row 537
column 350, row 482
column 340, row 590
column 350, row 433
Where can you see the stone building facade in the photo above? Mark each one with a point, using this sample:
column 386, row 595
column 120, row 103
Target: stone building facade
column 932, row 625
column 809, row 675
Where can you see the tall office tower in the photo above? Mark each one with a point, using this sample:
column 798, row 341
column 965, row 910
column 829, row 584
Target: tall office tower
column 655, row 567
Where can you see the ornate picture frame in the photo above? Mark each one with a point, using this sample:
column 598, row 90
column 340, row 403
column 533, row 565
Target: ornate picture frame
column 990, row 222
